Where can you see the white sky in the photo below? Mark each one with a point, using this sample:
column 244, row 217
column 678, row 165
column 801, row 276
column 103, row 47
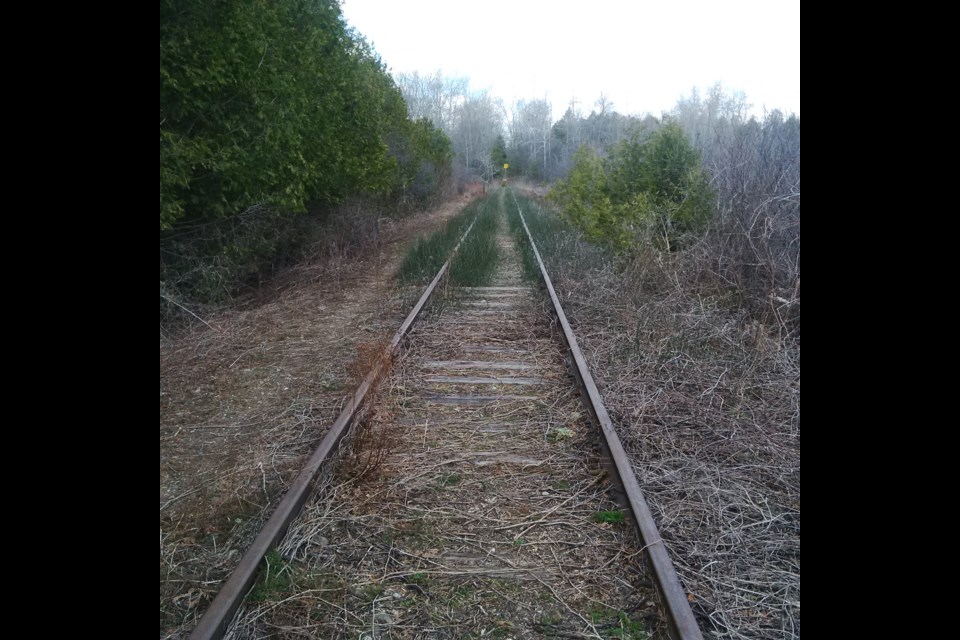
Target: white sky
column 643, row 54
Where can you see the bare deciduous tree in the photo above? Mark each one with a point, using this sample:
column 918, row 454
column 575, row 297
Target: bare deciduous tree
column 435, row 97
column 472, row 119
column 755, row 170
column 479, row 122
column 531, row 137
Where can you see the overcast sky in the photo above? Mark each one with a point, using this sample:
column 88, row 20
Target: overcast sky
column 642, row 54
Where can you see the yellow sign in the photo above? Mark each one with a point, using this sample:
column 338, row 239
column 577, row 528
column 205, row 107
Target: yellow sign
column 506, row 166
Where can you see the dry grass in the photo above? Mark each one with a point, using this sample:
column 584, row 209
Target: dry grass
column 246, row 396
column 707, row 402
column 437, row 547
column 372, row 439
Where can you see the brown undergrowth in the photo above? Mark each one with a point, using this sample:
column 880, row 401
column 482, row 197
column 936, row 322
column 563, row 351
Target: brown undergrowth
column 373, row 438
column 247, row 393
column 705, row 394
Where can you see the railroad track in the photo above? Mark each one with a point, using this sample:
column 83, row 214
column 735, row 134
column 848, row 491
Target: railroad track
column 481, row 490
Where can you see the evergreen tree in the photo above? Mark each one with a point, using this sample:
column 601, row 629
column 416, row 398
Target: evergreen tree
column 276, row 103
column 652, row 188
column 499, row 154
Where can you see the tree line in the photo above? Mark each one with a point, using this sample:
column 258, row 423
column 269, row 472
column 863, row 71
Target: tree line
column 706, row 166
column 272, row 110
column 269, row 110
column 483, row 128
column 472, row 119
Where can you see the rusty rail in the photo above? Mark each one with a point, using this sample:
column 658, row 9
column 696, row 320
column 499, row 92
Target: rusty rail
column 213, row 625
column 683, row 625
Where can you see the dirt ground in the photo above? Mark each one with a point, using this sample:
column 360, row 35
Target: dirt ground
column 245, row 399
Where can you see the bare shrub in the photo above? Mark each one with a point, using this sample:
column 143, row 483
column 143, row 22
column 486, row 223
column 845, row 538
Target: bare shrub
column 754, row 247
column 373, row 436
column 207, row 266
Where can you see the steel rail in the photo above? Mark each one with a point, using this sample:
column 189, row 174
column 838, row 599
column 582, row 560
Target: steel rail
column 683, row 625
column 214, row 622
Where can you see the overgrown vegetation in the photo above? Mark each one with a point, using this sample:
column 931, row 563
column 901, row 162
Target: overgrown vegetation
column 476, row 258
column 276, row 578
column 210, row 262
column 753, row 246
column 701, row 374
column 697, row 346
column 709, row 179
column 428, row 254
column 547, row 229
column 267, row 111
column 651, row 189
column 617, row 624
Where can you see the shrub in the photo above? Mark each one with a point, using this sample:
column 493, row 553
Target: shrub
column 652, row 189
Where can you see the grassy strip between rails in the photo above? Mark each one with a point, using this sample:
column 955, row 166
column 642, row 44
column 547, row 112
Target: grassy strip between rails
column 548, row 230
column 477, row 257
column 475, row 262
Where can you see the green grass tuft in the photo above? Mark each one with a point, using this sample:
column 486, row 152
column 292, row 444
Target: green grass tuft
column 609, row 517
column 617, row 624
column 275, row 578
column 451, row 480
